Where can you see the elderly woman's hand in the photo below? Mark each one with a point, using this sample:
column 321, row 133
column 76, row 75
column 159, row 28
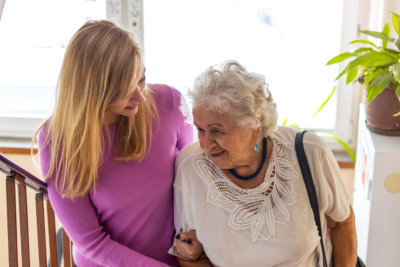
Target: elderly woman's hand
column 187, row 246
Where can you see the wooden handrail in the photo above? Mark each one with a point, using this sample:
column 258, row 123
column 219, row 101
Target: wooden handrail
column 10, row 169
column 20, row 179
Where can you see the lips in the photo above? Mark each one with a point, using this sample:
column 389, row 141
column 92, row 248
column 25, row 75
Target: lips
column 131, row 108
column 214, row 155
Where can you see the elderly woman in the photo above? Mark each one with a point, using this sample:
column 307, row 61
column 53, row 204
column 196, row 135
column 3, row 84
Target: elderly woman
column 239, row 189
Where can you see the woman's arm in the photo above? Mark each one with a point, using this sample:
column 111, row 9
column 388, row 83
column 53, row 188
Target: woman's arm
column 79, row 219
column 344, row 241
column 187, row 246
column 334, row 199
column 189, row 251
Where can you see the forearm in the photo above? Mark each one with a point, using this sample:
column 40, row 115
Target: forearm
column 203, row 261
column 344, row 241
column 79, row 220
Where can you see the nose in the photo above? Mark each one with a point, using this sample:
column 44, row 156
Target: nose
column 137, row 96
column 207, row 142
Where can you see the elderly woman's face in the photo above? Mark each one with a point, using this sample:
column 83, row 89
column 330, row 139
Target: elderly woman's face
column 228, row 145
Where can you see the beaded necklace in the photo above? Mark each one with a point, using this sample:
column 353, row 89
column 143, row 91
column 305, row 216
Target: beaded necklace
column 251, row 176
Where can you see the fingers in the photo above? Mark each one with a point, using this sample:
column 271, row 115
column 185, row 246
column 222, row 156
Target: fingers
column 187, row 237
column 190, row 235
column 188, row 250
column 180, row 254
column 184, row 251
column 187, row 246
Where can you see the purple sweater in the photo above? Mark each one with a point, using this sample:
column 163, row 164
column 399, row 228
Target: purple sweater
column 129, row 220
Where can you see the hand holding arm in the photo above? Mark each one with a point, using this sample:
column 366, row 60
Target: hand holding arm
column 344, row 241
column 189, row 250
column 187, row 246
column 80, row 221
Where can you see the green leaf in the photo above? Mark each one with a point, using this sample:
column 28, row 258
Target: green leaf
column 378, row 84
column 396, row 72
column 352, row 75
column 372, row 75
column 363, row 42
column 379, row 35
column 326, row 101
column 340, row 58
column 361, row 50
column 386, row 31
column 396, row 22
column 372, row 59
column 284, row 121
column 346, row 69
column 348, row 149
column 392, row 51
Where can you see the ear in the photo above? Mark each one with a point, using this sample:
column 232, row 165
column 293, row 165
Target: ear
column 257, row 131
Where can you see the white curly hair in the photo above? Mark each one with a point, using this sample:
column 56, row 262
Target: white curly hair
column 243, row 95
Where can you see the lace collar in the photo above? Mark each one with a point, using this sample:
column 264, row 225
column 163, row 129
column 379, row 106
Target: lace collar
column 258, row 209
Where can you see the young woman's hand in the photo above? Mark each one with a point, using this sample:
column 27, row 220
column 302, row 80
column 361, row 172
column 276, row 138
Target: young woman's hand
column 187, row 246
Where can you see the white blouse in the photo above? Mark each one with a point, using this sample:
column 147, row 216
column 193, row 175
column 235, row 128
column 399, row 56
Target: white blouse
column 270, row 225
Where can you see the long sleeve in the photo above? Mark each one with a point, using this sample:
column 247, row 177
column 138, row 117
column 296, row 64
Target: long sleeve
column 80, row 221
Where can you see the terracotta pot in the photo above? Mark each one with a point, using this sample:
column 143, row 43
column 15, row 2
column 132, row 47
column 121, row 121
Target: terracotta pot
column 380, row 112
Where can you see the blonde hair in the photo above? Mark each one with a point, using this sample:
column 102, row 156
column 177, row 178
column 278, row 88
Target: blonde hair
column 102, row 64
column 243, row 95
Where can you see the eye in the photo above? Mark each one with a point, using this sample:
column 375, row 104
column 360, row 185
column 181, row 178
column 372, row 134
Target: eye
column 215, row 131
column 200, row 131
column 143, row 79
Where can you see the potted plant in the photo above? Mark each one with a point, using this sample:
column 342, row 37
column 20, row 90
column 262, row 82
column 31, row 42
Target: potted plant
column 377, row 68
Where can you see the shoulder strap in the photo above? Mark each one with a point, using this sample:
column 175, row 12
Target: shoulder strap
column 312, row 195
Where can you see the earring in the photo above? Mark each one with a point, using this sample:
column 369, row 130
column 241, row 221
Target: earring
column 256, row 147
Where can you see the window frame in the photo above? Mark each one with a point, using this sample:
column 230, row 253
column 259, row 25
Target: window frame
column 13, row 126
column 349, row 97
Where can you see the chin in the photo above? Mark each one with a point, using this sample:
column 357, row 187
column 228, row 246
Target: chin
column 221, row 165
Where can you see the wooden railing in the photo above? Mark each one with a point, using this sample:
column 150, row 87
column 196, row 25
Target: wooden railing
column 18, row 179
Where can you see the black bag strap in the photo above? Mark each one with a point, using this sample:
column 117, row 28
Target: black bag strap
column 308, row 181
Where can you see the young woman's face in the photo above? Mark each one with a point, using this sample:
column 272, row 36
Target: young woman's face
column 128, row 106
column 228, row 145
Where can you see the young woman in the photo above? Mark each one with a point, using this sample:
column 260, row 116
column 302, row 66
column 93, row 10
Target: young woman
column 108, row 150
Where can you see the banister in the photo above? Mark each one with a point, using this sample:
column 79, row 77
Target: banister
column 10, row 169
column 17, row 179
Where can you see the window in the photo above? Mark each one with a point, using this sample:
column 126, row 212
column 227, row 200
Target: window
column 33, row 40
column 288, row 41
